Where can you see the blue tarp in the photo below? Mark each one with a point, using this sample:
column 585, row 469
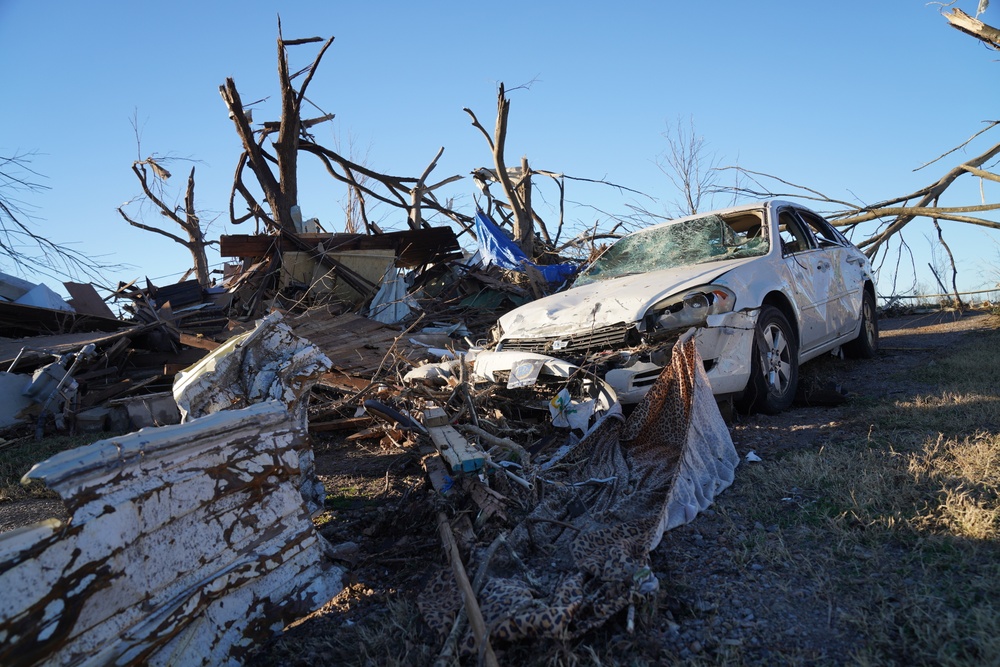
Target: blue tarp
column 497, row 249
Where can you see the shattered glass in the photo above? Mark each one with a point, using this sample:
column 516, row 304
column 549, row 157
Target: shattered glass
column 705, row 239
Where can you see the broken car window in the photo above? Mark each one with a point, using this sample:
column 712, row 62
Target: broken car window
column 706, row 239
column 824, row 231
column 793, row 237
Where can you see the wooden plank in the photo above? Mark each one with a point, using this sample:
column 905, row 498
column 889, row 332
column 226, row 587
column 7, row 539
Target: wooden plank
column 198, row 341
column 348, row 423
column 461, row 455
column 85, row 299
column 342, row 381
column 435, row 416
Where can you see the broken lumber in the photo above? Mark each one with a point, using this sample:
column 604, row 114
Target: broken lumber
column 460, row 454
column 468, row 595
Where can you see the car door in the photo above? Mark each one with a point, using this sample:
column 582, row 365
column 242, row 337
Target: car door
column 846, row 270
column 809, row 280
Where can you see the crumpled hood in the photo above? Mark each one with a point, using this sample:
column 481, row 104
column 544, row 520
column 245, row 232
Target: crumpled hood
column 607, row 302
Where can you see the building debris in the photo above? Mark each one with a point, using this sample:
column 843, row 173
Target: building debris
column 267, row 364
column 178, row 532
column 186, row 544
column 580, row 553
column 227, row 382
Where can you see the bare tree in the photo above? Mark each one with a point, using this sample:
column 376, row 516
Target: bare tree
column 22, row 245
column 186, row 216
column 688, row 165
column 517, row 190
column 280, row 190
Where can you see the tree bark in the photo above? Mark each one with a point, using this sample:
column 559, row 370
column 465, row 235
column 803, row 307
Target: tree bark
column 974, row 27
column 190, row 222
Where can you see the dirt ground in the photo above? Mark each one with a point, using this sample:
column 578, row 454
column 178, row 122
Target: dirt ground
column 382, row 503
column 379, row 500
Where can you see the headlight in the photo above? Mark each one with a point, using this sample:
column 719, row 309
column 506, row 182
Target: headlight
column 690, row 309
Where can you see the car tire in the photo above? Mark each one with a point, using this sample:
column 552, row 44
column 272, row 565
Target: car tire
column 865, row 346
column 774, row 365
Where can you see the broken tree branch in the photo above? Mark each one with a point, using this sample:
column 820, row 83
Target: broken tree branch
column 933, row 194
column 986, row 34
column 189, row 221
column 472, row 609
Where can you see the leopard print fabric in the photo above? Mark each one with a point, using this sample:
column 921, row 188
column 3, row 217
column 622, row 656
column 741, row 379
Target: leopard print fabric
column 586, row 566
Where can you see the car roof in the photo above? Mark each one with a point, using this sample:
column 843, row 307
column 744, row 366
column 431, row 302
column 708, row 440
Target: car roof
column 751, row 206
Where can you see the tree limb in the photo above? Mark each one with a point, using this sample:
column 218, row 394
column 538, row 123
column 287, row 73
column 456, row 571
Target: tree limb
column 986, row 34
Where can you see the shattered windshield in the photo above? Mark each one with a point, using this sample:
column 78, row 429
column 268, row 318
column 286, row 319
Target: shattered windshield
column 705, row 239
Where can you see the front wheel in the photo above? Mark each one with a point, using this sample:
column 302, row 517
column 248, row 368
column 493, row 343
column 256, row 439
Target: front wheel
column 865, row 346
column 774, row 364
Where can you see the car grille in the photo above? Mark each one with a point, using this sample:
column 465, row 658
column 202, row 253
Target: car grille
column 616, row 336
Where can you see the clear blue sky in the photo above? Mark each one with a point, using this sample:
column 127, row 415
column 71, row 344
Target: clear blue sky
column 846, row 97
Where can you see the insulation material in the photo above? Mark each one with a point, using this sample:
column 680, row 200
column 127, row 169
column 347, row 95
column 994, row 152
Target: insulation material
column 187, row 545
column 269, row 363
column 582, row 555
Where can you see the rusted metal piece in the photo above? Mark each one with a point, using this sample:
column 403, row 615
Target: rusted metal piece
column 186, row 545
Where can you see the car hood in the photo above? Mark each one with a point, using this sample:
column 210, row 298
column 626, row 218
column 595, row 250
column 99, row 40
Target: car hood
column 608, row 302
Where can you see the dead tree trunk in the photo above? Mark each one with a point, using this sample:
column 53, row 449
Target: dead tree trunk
column 524, row 231
column 524, row 228
column 188, row 221
column 519, row 193
column 281, row 190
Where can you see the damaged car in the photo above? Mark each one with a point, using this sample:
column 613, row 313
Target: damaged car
column 765, row 286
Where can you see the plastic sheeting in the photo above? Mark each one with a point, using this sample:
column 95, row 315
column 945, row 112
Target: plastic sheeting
column 497, row 249
column 391, row 304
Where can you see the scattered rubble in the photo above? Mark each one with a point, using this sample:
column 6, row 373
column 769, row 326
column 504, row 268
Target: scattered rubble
column 542, row 482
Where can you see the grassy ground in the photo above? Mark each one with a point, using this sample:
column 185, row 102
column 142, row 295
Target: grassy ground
column 909, row 515
column 17, row 455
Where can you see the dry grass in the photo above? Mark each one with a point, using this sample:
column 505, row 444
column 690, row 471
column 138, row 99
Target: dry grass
column 902, row 527
column 18, row 456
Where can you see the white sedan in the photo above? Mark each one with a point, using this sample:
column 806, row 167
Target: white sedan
column 766, row 287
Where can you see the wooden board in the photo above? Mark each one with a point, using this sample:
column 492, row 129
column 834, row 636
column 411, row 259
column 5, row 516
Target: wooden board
column 460, row 454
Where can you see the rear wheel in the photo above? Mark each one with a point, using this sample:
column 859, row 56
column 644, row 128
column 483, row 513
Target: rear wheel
column 774, row 364
column 865, row 346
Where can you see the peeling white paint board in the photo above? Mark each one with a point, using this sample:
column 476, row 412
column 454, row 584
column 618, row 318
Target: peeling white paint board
column 186, row 545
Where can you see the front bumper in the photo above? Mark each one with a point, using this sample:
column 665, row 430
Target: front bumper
column 725, row 343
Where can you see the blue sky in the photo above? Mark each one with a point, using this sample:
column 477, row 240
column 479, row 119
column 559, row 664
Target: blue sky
column 845, row 97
